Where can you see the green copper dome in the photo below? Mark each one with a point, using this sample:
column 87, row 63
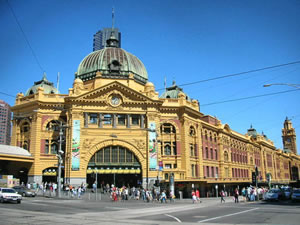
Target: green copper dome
column 112, row 62
column 44, row 83
column 173, row 92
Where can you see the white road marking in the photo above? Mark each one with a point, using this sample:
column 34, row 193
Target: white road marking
column 232, row 214
column 115, row 208
column 178, row 220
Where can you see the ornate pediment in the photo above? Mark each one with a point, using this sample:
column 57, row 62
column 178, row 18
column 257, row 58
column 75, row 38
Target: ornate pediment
column 114, row 95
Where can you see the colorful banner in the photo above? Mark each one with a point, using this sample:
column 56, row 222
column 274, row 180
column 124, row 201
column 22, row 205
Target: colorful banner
column 76, row 145
column 152, row 146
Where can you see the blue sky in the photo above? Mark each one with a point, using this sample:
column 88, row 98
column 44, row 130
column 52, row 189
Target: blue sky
column 185, row 41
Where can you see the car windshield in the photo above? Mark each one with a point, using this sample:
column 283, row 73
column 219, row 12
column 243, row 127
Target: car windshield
column 8, row 191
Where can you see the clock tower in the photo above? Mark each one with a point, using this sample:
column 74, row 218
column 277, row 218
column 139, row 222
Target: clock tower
column 289, row 136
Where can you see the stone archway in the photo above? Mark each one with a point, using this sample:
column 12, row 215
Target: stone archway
column 115, row 162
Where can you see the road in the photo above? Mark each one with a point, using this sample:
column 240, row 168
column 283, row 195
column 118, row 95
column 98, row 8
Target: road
column 46, row 211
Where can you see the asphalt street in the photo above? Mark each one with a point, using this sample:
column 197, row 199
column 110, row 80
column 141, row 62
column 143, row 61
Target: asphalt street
column 41, row 210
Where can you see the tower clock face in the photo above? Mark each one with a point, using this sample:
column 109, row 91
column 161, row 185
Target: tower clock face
column 115, row 100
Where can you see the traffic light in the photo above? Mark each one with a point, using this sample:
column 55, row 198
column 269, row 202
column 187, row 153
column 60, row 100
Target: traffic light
column 254, row 178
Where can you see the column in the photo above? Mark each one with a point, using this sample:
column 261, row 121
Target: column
column 142, row 121
column 114, row 120
column 100, row 122
column 86, row 117
column 128, row 121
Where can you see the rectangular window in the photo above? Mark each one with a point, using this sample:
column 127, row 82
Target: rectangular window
column 168, row 166
column 107, row 119
column 207, row 171
column 193, row 170
column 121, row 119
column 212, row 171
column 175, row 166
column 206, row 152
column 174, row 148
column 93, row 118
column 192, row 149
column 135, row 119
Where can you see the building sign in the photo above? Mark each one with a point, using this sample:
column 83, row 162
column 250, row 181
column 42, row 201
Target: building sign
column 152, row 146
column 76, row 145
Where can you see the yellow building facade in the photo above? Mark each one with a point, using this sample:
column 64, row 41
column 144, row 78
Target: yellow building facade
column 115, row 127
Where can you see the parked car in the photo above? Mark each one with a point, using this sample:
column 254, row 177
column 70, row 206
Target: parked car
column 273, row 195
column 296, row 195
column 24, row 191
column 287, row 192
column 9, row 195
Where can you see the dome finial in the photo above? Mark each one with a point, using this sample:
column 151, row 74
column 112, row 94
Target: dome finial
column 44, row 76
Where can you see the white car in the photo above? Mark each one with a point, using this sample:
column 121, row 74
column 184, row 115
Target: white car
column 296, row 195
column 273, row 194
column 9, row 195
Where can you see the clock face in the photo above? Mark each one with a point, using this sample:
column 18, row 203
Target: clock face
column 115, row 100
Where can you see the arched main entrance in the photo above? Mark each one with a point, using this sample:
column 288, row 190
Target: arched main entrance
column 114, row 165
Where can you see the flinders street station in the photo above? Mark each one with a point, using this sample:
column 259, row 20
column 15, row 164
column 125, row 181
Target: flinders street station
column 113, row 127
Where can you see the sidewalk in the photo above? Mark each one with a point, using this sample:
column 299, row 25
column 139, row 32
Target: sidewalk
column 93, row 197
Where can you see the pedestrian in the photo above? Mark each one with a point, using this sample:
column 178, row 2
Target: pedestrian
column 198, row 196
column 163, row 197
column 222, row 194
column 194, row 197
column 244, row 194
column 94, row 187
column 236, row 195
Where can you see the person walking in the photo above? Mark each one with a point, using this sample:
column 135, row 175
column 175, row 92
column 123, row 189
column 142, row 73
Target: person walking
column 198, row 196
column 222, row 194
column 236, row 195
column 194, row 197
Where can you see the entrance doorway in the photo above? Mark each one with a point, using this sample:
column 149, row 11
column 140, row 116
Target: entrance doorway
column 114, row 165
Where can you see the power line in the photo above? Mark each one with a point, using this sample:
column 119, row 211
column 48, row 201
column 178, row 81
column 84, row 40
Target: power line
column 26, row 39
column 255, row 96
column 237, row 74
column 7, row 94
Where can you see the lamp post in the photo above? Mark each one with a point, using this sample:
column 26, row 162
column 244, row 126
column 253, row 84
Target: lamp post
column 297, row 86
column 60, row 157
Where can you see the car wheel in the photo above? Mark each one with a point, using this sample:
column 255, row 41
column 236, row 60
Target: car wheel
column 1, row 200
column 18, row 201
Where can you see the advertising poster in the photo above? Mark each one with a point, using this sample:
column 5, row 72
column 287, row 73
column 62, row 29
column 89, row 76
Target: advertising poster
column 152, row 147
column 76, row 145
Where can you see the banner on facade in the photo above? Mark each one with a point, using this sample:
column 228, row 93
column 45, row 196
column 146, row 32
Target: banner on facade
column 76, row 145
column 152, row 146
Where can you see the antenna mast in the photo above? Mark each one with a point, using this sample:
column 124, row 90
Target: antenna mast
column 57, row 82
column 113, row 18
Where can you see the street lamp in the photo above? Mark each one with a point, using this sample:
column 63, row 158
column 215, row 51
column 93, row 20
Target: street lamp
column 297, row 86
column 60, row 156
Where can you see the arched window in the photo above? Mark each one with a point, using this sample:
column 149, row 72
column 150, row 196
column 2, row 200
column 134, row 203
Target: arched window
column 192, row 131
column 215, row 138
column 25, row 127
column 206, row 152
column 210, row 136
column 167, row 128
column 167, row 149
column 205, row 135
column 53, row 125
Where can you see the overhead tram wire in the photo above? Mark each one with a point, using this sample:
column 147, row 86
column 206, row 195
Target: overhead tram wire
column 249, row 97
column 26, row 39
column 237, row 74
